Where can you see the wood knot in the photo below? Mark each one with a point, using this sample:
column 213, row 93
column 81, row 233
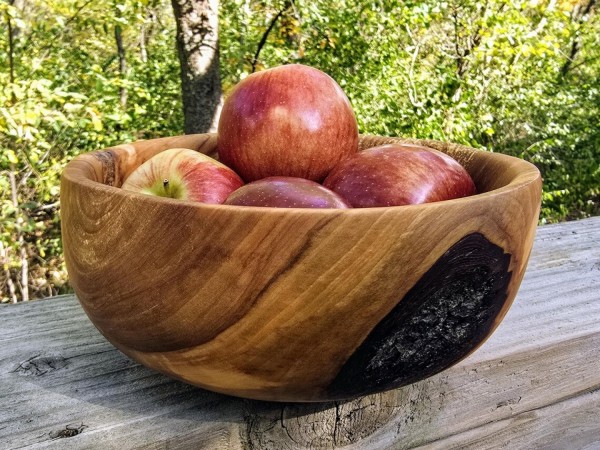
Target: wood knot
column 40, row 365
column 67, row 432
column 276, row 426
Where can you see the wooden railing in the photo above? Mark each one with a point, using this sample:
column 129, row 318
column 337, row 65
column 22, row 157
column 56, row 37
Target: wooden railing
column 534, row 384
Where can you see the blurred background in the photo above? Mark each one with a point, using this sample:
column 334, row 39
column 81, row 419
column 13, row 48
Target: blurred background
column 510, row 76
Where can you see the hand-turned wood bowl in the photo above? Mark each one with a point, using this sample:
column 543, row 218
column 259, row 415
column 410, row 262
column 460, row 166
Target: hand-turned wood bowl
column 296, row 304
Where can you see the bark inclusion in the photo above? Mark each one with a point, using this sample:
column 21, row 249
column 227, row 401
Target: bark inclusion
column 450, row 310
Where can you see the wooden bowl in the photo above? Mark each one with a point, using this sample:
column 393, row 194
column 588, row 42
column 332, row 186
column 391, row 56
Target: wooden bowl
column 296, row 304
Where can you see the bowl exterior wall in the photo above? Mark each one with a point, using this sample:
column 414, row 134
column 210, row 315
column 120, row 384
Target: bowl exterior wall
column 295, row 305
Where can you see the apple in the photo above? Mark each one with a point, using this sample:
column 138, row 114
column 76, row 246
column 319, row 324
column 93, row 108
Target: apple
column 393, row 175
column 285, row 192
column 291, row 120
column 184, row 174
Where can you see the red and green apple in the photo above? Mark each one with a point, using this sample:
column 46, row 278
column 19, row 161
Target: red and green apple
column 184, row 174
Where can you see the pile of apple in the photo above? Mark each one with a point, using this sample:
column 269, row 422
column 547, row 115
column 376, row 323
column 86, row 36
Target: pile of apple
column 288, row 137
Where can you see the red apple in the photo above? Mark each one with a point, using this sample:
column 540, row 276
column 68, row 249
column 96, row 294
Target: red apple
column 184, row 174
column 392, row 175
column 285, row 192
column 291, row 120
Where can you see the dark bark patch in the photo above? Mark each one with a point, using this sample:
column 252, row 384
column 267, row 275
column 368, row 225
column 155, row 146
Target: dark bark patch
column 108, row 160
column 449, row 311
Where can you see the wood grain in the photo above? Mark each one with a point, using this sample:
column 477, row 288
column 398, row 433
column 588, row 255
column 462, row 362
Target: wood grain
column 270, row 303
column 568, row 424
column 532, row 385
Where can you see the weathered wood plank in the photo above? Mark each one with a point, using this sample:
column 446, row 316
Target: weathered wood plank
column 569, row 424
column 56, row 371
column 533, row 384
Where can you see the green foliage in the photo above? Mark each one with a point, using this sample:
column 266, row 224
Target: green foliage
column 62, row 97
column 513, row 76
column 486, row 74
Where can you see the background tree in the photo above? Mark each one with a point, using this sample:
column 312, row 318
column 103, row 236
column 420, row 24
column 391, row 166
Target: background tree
column 198, row 47
column 62, row 94
column 520, row 77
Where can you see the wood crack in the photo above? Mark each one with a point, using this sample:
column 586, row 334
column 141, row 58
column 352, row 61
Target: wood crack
column 283, row 425
column 336, row 424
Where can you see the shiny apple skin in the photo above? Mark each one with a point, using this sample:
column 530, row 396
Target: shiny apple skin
column 286, row 192
column 290, row 120
column 191, row 176
column 394, row 175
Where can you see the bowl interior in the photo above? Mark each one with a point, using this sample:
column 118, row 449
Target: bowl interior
column 490, row 171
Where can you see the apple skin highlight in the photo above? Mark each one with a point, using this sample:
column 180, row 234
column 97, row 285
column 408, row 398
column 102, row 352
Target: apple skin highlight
column 291, row 120
column 184, row 174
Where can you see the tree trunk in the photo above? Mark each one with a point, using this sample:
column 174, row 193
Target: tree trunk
column 12, row 31
column 24, row 282
column 579, row 16
column 12, row 292
column 122, row 65
column 143, row 50
column 198, row 46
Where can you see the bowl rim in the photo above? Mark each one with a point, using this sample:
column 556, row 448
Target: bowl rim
column 526, row 174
